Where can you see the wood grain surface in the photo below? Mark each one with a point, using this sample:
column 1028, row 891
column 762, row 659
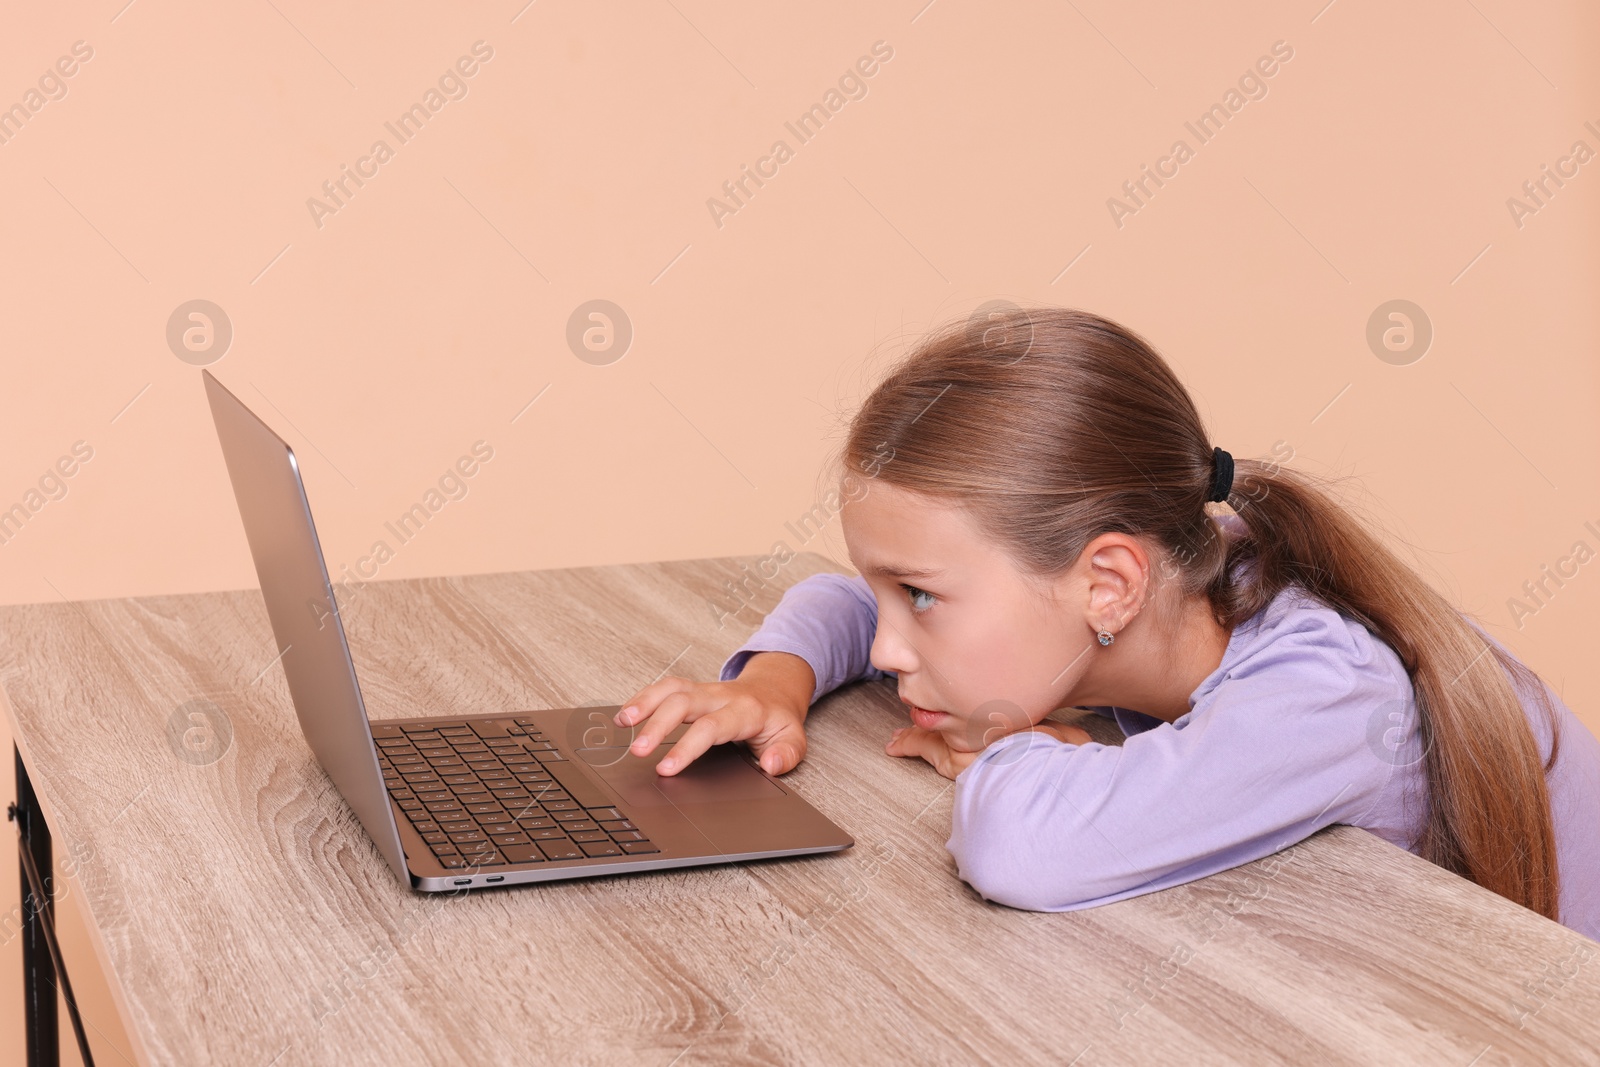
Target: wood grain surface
column 243, row 917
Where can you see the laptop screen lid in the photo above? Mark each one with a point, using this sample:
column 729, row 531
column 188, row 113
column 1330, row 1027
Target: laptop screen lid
column 304, row 614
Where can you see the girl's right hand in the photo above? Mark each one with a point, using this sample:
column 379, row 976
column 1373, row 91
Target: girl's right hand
column 765, row 706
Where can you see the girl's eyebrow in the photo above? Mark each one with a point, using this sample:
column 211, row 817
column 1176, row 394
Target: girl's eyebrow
column 895, row 570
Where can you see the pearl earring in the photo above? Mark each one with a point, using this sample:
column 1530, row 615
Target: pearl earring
column 1106, row 637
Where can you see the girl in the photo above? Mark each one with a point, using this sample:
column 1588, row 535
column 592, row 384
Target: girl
column 1034, row 534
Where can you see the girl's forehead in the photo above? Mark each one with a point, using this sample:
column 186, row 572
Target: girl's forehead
column 907, row 529
column 883, row 508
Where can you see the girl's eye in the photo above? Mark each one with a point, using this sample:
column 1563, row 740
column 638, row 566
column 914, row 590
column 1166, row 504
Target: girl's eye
column 915, row 592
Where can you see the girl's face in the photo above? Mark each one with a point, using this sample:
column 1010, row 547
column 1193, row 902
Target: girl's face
column 978, row 651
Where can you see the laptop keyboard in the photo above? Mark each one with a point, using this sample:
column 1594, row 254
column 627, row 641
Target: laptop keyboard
column 484, row 793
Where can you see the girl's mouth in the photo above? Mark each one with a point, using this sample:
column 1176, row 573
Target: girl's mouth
column 928, row 720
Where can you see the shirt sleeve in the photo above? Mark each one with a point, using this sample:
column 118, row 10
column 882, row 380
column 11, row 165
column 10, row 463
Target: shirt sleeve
column 829, row 621
column 1277, row 750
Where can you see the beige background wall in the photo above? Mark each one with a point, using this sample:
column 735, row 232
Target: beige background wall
column 425, row 314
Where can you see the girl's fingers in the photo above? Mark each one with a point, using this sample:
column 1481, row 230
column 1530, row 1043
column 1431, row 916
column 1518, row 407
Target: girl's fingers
column 910, row 741
column 672, row 710
column 782, row 752
column 639, row 706
column 717, row 728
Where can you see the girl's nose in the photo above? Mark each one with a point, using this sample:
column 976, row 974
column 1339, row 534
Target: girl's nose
column 890, row 652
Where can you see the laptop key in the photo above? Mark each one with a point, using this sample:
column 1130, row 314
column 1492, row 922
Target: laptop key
column 452, row 862
column 409, row 805
column 634, row 848
column 444, row 848
column 519, row 812
column 571, row 814
column 552, row 833
column 575, row 825
column 597, row 848
column 468, row 835
column 510, row 839
column 612, row 827
column 589, row 835
column 500, row 828
column 423, row 826
column 386, row 731
column 633, row 836
column 522, row 853
column 578, row 783
column 436, row 837
column 604, row 814
column 560, row 850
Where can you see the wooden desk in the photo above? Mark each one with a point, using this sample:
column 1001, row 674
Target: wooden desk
column 244, row 918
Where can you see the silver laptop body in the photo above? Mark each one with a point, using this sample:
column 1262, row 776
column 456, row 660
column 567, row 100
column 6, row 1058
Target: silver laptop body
column 458, row 801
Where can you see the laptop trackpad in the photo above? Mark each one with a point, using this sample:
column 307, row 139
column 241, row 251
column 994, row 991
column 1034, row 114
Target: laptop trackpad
column 721, row 774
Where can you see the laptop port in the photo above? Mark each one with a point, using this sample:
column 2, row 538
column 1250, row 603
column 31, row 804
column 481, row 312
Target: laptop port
column 463, row 881
column 495, row 878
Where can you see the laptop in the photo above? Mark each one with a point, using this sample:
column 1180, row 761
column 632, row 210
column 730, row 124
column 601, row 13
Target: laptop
column 457, row 801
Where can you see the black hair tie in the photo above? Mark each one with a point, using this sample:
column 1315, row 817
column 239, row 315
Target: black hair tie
column 1222, row 480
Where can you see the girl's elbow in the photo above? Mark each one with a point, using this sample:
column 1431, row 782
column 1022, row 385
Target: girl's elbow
column 1010, row 873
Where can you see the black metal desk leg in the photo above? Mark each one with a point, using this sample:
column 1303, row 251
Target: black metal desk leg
column 38, row 970
column 43, row 970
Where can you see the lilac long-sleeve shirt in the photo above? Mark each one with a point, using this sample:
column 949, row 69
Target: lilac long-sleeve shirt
column 1309, row 720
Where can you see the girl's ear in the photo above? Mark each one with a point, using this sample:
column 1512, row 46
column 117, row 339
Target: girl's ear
column 1118, row 575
